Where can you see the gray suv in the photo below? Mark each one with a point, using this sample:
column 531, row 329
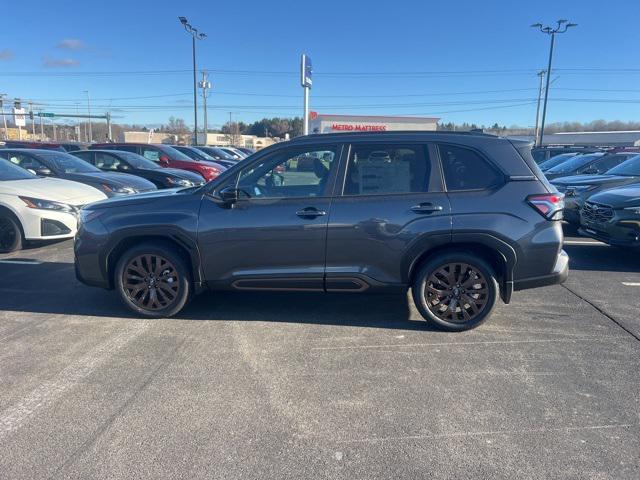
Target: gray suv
column 462, row 219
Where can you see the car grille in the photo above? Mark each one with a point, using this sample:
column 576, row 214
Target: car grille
column 597, row 212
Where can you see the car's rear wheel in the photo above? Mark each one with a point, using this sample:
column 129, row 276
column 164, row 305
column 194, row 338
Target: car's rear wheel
column 153, row 280
column 456, row 291
column 10, row 234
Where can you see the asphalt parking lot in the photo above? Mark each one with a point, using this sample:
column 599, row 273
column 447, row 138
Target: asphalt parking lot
column 319, row 386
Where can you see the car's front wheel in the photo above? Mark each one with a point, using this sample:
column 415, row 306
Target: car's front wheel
column 153, row 280
column 10, row 234
column 456, row 291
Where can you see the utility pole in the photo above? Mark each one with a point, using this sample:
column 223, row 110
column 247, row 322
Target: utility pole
column 41, row 127
column 89, row 111
column 108, row 116
column 306, row 71
column 33, row 120
column 561, row 27
column 205, row 85
column 231, row 132
column 4, row 117
column 541, row 74
column 195, row 35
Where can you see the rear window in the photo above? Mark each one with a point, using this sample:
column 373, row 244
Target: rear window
column 465, row 169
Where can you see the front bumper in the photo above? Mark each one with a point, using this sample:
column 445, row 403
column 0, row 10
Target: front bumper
column 559, row 274
column 48, row 225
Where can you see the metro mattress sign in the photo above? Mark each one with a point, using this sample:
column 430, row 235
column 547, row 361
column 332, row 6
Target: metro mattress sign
column 347, row 127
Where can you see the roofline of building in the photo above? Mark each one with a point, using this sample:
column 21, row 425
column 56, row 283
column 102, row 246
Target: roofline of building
column 374, row 116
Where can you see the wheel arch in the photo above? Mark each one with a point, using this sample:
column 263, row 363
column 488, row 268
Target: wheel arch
column 497, row 253
column 185, row 248
column 8, row 211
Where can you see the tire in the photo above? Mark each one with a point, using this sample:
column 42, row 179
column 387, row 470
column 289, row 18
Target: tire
column 446, row 280
column 10, row 234
column 152, row 280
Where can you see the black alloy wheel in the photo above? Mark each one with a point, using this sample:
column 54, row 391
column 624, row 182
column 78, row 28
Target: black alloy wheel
column 456, row 292
column 153, row 280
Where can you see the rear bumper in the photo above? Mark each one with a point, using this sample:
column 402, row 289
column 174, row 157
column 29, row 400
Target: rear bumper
column 559, row 274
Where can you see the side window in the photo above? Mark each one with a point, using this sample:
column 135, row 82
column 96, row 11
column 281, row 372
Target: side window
column 382, row 169
column 104, row 161
column 301, row 172
column 151, row 154
column 464, row 169
column 86, row 156
column 610, row 162
column 25, row 161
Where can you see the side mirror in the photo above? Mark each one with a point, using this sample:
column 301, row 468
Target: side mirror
column 164, row 160
column 45, row 172
column 229, row 195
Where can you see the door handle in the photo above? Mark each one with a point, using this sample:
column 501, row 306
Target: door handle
column 310, row 212
column 426, row 208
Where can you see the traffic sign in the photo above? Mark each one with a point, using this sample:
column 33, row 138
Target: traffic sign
column 46, row 114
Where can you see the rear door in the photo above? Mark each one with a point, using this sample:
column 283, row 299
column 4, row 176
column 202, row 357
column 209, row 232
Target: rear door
column 389, row 206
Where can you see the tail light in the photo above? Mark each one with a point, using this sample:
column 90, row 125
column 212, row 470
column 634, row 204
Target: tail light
column 549, row 205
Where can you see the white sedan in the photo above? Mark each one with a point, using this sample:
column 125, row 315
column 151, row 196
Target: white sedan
column 34, row 208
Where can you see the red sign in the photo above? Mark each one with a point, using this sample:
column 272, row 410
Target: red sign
column 347, row 127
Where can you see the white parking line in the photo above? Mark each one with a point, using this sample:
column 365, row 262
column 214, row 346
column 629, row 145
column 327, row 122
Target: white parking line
column 22, row 262
column 14, row 417
column 631, row 284
column 582, row 242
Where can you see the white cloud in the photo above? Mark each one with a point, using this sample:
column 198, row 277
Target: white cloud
column 49, row 62
column 71, row 44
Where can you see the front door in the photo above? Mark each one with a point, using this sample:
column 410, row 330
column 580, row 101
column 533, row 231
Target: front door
column 274, row 236
column 391, row 208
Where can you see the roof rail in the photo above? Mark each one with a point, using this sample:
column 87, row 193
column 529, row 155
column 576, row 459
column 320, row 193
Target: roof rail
column 474, row 132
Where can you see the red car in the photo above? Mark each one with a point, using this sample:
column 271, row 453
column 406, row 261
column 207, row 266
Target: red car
column 165, row 156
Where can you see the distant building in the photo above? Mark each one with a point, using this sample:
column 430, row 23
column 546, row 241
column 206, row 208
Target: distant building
column 629, row 138
column 151, row 137
column 224, row 140
column 321, row 123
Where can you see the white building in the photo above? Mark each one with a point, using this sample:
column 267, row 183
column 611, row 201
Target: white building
column 320, row 123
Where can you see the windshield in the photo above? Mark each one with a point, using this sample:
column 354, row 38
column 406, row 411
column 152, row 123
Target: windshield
column 173, row 153
column 9, row 171
column 63, row 162
column 199, row 153
column 630, row 167
column 216, row 152
column 557, row 160
column 138, row 161
column 574, row 163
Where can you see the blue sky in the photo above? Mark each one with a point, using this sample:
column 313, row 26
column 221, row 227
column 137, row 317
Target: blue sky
column 462, row 61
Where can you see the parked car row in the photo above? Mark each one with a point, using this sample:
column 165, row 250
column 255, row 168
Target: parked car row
column 601, row 193
column 43, row 185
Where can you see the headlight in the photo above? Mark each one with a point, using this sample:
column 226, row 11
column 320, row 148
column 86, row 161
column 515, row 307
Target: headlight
column 635, row 210
column 180, row 182
column 40, row 204
column 118, row 190
column 88, row 215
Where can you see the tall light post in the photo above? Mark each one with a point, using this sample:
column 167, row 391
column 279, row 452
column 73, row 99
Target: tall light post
column 561, row 27
column 89, row 111
column 195, row 35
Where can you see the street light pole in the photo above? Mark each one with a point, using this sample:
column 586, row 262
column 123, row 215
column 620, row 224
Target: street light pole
column 4, row 117
column 195, row 35
column 89, row 111
column 541, row 74
column 561, row 27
